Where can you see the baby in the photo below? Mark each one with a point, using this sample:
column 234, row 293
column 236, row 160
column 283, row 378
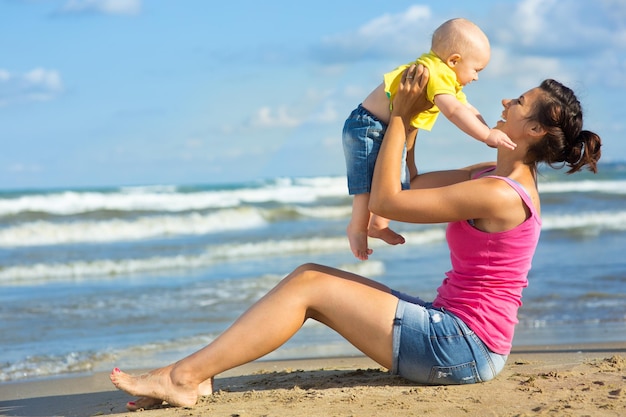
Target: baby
column 459, row 51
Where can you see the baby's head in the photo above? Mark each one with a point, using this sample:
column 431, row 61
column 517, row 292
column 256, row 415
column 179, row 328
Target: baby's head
column 463, row 47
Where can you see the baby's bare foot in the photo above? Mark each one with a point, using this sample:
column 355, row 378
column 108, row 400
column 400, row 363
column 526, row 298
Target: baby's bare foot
column 157, row 384
column 387, row 235
column 358, row 243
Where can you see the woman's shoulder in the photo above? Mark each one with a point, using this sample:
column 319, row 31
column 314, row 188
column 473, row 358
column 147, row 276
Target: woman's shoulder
column 479, row 170
column 509, row 192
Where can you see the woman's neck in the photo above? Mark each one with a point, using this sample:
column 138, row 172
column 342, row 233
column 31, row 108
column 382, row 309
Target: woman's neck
column 510, row 165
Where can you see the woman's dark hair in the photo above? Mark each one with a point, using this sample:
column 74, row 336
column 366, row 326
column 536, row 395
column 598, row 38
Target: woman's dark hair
column 566, row 143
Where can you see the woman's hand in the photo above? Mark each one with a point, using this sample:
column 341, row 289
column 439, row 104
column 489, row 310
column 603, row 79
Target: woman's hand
column 410, row 98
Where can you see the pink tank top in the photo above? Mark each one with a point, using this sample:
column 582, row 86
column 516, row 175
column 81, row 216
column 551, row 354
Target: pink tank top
column 489, row 272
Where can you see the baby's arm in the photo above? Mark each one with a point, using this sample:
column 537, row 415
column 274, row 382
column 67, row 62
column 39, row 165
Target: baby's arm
column 471, row 122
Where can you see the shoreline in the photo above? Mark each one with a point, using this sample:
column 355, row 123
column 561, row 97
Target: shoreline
column 580, row 378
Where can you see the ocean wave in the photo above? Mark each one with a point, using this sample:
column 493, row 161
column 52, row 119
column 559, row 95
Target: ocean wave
column 42, row 232
column 47, row 365
column 586, row 221
column 587, row 186
column 111, row 230
column 83, row 270
column 325, row 212
column 172, row 199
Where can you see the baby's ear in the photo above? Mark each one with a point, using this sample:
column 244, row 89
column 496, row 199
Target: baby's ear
column 453, row 59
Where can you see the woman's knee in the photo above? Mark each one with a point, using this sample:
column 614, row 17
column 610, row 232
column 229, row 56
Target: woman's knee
column 304, row 273
column 309, row 266
column 309, row 282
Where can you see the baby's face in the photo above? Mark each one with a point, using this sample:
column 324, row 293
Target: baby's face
column 470, row 64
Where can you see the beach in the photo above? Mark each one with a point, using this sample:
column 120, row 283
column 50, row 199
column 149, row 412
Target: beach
column 137, row 277
column 557, row 380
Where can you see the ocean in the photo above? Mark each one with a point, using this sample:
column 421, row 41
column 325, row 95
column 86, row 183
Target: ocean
column 139, row 276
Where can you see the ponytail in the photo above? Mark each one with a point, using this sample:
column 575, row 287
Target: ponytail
column 585, row 152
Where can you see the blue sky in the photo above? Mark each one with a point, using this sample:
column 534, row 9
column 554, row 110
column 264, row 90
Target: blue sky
column 123, row 92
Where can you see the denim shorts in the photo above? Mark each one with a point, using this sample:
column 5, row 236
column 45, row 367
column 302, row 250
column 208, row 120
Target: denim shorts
column 362, row 136
column 433, row 346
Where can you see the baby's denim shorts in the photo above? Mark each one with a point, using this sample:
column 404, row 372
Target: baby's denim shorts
column 362, row 137
column 433, row 346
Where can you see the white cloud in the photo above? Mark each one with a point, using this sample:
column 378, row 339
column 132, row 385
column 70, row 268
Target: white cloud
column 331, row 70
column 575, row 41
column 562, row 28
column 39, row 84
column 268, row 118
column 355, row 92
column 616, row 9
column 329, row 141
column 400, row 36
column 391, row 24
column 46, row 79
column 324, row 112
column 20, row 168
column 193, row 144
column 109, row 7
column 608, row 70
column 525, row 70
column 327, row 114
column 317, row 95
column 532, row 16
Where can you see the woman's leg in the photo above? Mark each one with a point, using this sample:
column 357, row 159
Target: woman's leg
column 359, row 309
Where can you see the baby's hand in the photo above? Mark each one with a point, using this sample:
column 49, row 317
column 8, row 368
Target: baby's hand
column 498, row 138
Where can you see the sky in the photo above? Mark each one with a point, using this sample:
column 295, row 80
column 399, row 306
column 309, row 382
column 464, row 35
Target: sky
column 100, row 93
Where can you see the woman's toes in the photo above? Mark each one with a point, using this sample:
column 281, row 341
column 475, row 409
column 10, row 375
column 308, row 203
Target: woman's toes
column 143, row 403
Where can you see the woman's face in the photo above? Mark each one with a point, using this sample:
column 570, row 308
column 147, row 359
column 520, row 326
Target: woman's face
column 517, row 112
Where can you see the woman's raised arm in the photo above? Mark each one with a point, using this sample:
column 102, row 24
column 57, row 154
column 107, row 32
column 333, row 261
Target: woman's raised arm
column 434, row 197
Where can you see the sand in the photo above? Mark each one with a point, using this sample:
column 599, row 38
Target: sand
column 568, row 380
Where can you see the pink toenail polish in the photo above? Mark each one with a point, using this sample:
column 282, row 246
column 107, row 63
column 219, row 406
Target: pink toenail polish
column 116, row 370
column 131, row 403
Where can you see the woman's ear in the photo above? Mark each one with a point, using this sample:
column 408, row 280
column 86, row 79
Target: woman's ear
column 536, row 130
column 453, row 59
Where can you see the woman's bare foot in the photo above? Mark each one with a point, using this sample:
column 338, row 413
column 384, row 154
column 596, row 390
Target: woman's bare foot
column 358, row 243
column 149, row 403
column 387, row 235
column 157, row 384
column 144, row 403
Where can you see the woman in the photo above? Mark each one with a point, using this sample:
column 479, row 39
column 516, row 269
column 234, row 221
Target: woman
column 465, row 334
